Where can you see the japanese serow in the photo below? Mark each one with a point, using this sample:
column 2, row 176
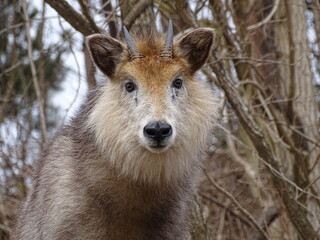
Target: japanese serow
column 124, row 167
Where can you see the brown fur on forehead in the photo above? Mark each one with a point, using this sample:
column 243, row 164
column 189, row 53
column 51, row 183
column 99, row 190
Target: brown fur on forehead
column 153, row 74
column 150, row 44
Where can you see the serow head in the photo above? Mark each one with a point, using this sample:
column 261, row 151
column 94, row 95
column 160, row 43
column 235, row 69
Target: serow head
column 152, row 100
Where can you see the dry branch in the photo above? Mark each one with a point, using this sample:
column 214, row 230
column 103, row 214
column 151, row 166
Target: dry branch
column 267, row 19
column 228, row 209
column 295, row 211
column 183, row 9
column 85, row 11
column 75, row 19
column 34, row 74
column 135, row 12
column 250, row 218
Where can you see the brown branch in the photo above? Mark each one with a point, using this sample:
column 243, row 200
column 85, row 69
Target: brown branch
column 135, row 12
column 267, row 19
column 228, row 209
column 78, row 71
column 292, row 68
column 295, row 211
column 84, row 8
column 267, row 218
column 252, row 221
column 273, row 116
column 109, row 14
column 183, row 9
column 8, row 28
column 179, row 12
column 71, row 16
column 34, row 75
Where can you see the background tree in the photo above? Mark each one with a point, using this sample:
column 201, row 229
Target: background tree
column 262, row 178
column 21, row 130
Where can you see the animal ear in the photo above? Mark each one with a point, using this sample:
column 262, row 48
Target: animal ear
column 195, row 47
column 105, row 51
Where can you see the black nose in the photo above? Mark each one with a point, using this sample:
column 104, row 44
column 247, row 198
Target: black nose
column 157, row 131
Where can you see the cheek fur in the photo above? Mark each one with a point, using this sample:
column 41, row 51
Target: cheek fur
column 196, row 116
column 112, row 119
column 117, row 122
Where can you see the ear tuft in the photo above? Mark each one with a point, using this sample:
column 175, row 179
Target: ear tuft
column 105, row 51
column 195, row 47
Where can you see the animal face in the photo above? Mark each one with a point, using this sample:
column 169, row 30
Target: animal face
column 156, row 92
column 153, row 118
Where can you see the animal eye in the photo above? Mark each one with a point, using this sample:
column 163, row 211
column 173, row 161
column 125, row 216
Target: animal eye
column 130, row 87
column 177, row 83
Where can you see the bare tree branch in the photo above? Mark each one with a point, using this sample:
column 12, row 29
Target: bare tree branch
column 109, row 14
column 267, row 19
column 295, row 211
column 252, row 221
column 34, row 75
column 85, row 11
column 73, row 17
column 135, row 12
column 228, row 209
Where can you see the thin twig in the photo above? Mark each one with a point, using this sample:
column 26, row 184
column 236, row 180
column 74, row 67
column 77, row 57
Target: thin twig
column 34, row 74
column 13, row 67
column 78, row 74
column 238, row 205
column 11, row 27
column 228, row 209
column 274, row 171
column 267, row 19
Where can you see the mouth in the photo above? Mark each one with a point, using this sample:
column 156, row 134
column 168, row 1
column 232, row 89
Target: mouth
column 158, row 146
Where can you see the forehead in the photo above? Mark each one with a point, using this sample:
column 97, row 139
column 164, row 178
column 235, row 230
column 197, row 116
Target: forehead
column 152, row 71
